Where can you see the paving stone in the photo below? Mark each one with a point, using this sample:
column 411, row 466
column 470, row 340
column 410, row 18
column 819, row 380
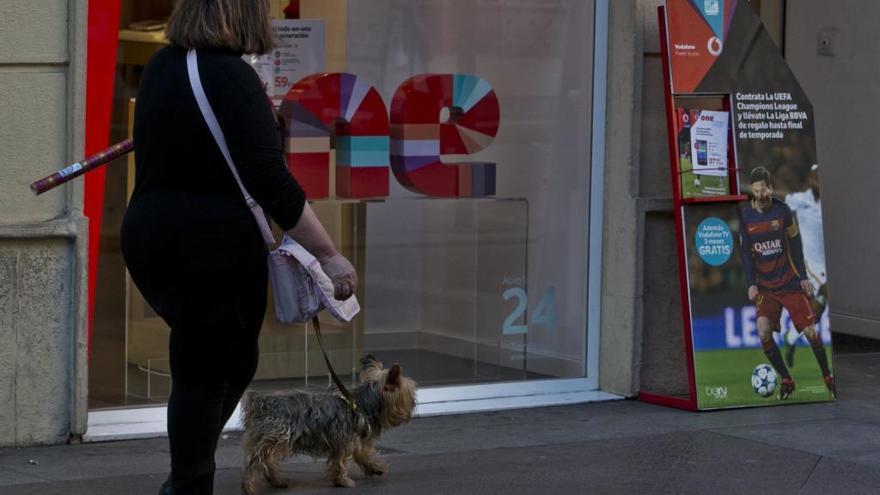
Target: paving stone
column 843, row 439
column 835, row 476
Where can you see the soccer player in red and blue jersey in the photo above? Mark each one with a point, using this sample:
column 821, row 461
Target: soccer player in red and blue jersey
column 773, row 260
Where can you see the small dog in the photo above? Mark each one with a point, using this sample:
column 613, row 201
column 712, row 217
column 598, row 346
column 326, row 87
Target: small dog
column 324, row 425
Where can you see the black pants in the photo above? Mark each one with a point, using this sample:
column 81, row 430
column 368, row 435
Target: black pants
column 211, row 365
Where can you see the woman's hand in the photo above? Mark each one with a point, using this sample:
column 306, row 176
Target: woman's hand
column 311, row 234
column 343, row 275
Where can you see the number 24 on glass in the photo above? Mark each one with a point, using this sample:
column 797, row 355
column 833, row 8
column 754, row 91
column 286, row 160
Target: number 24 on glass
column 545, row 312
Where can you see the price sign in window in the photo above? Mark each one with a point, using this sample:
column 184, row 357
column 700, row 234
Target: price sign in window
column 298, row 52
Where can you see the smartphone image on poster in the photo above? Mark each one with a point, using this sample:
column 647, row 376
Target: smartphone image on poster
column 702, row 152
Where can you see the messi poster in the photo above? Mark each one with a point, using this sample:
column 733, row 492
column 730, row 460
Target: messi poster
column 748, row 342
column 755, row 269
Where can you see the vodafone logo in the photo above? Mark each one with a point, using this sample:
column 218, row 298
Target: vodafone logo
column 714, row 46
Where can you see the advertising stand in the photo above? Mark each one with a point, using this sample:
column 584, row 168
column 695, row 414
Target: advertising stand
column 747, row 209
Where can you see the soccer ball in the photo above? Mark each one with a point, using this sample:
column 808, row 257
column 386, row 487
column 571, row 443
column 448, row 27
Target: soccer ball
column 764, row 380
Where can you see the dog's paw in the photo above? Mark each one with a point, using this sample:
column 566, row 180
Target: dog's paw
column 279, row 482
column 344, row 482
column 248, row 489
column 376, row 469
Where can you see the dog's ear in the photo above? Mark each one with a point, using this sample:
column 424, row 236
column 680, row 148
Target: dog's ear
column 393, row 379
column 370, row 361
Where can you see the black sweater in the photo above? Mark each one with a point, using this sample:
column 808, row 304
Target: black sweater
column 189, row 240
column 175, row 149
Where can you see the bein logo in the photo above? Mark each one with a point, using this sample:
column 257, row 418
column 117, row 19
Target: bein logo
column 717, row 392
column 431, row 116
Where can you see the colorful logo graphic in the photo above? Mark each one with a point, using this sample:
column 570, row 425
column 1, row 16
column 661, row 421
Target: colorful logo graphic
column 352, row 112
column 341, row 112
column 419, row 138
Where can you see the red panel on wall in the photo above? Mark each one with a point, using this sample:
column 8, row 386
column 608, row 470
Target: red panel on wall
column 103, row 36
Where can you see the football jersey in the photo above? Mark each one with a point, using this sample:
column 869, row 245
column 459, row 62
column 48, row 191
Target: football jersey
column 771, row 248
column 808, row 214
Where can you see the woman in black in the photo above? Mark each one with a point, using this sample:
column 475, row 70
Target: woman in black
column 190, row 242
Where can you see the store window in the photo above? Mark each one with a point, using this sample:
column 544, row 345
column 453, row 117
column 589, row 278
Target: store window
column 478, row 280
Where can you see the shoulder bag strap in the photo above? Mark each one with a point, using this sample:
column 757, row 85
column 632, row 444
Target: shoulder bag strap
column 192, row 67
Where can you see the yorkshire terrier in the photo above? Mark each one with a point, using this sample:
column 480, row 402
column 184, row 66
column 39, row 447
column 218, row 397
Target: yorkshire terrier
column 323, row 424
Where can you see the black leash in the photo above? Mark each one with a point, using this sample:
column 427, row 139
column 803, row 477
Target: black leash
column 339, row 385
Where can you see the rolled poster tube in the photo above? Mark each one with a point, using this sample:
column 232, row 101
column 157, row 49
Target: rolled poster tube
column 73, row 171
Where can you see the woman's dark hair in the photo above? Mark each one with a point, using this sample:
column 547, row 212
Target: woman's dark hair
column 242, row 26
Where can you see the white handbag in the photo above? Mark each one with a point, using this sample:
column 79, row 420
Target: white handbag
column 300, row 287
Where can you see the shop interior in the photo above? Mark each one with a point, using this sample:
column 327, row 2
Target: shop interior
column 432, row 271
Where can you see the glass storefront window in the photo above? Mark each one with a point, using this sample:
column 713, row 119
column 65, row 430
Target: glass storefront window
column 458, row 290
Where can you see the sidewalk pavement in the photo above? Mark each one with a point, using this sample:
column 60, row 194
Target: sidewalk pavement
column 613, row 447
